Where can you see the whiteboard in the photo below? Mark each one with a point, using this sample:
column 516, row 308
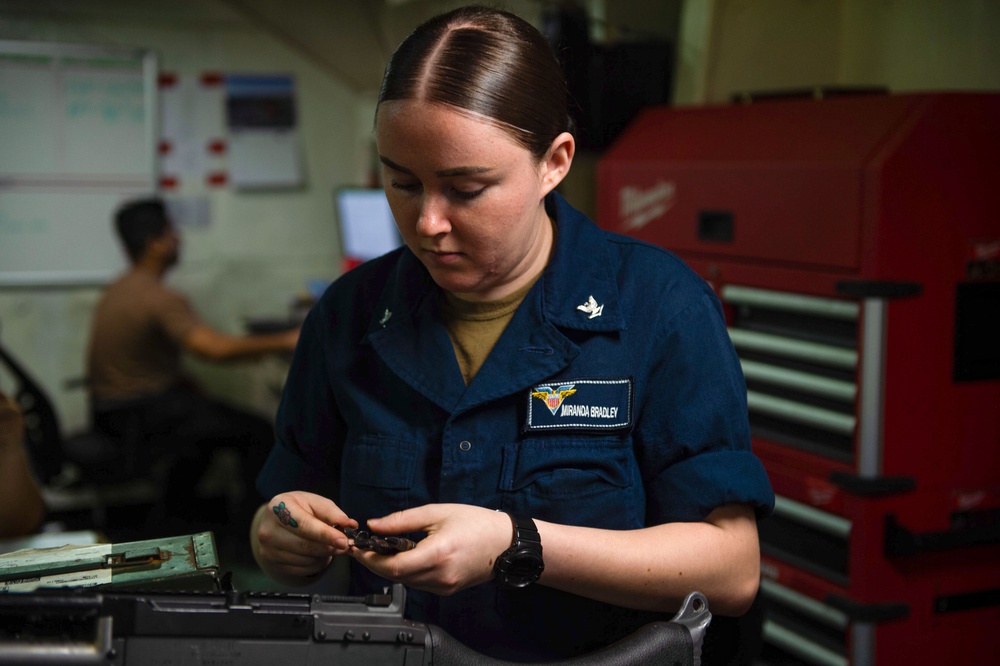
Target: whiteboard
column 78, row 135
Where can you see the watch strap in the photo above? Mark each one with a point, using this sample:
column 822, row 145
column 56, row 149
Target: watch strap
column 525, row 530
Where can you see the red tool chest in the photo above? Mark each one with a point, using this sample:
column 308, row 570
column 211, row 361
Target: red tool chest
column 855, row 244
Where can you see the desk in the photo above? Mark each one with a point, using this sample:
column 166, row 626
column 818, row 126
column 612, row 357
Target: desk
column 268, row 379
column 264, row 325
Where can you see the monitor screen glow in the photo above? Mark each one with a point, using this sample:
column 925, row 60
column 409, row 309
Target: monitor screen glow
column 367, row 228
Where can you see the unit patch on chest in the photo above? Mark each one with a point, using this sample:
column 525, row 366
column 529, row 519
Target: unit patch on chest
column 603, row 404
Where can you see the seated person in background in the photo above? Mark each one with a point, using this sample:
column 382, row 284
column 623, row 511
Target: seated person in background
column 21, row 507
column 140, row 330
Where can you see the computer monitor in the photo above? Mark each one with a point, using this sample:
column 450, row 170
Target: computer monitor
column 367, row 228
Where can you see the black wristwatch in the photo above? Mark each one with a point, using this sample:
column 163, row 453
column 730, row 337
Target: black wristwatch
column 521, row 564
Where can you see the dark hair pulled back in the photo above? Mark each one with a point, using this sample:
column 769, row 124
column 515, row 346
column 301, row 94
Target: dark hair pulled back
column 488, row 62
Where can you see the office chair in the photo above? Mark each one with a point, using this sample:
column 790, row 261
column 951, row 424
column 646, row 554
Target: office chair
column 86, row 471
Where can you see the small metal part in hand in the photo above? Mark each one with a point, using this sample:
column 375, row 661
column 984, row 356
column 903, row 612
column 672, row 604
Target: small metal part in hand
column 376, row 543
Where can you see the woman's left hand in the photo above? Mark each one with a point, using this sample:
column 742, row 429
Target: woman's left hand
column 458, row 552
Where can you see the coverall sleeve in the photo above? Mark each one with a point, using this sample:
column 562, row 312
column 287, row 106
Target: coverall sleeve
column 694, row 439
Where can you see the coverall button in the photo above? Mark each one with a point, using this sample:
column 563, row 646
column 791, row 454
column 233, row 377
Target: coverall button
column 465, row 445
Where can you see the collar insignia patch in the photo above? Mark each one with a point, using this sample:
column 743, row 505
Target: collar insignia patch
column 591, row 308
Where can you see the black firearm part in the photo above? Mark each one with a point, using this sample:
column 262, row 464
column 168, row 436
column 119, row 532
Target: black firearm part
column 122, row 628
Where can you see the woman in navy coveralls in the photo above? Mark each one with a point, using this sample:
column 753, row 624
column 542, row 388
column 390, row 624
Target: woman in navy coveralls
column 611, row 409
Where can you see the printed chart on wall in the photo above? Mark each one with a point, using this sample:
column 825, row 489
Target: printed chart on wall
column 78, row 132
column 263, row 132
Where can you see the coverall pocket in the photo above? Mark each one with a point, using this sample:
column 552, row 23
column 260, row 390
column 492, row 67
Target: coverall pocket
column 590, row 479
column 378, row 475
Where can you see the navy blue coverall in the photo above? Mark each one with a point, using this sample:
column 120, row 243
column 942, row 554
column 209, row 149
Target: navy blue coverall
column 613, row 399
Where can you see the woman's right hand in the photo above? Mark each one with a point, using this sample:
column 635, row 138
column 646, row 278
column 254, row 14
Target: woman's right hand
column 293, row 539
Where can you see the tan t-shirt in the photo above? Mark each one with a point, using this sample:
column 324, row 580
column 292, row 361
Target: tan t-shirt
column 475, row 327
column 135, row 340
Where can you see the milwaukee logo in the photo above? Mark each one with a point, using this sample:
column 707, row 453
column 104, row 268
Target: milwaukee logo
column 985, row 250
column 639, row 207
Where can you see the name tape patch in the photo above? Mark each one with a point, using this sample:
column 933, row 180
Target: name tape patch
column 604, row 404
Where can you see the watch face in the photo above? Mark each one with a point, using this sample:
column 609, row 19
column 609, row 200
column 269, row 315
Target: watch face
column 520, row 568
column 521, row 564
